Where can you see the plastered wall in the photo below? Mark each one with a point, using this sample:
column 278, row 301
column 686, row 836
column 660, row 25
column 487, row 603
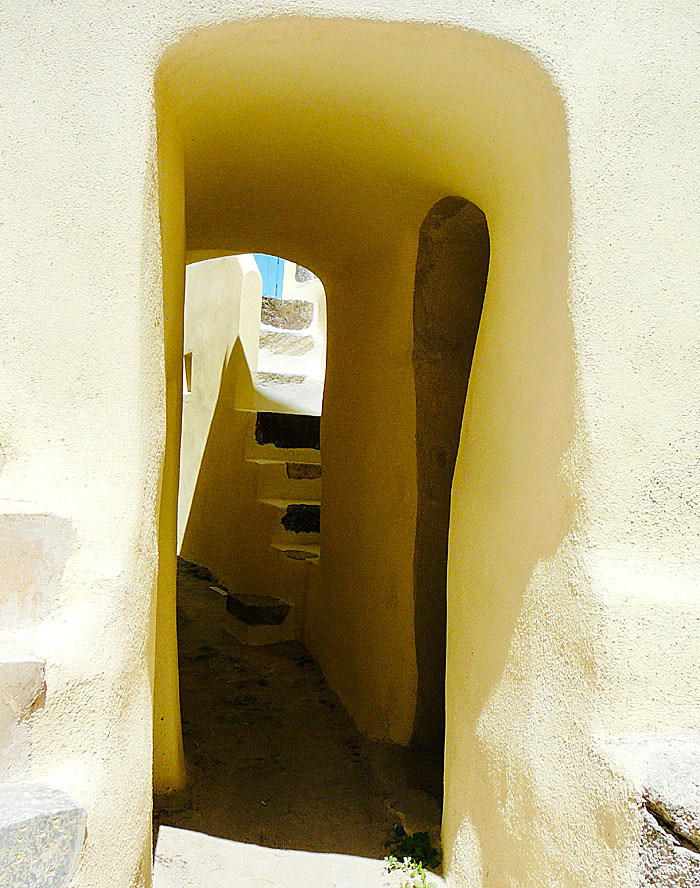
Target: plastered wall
column 574, row 530
column 221, row 524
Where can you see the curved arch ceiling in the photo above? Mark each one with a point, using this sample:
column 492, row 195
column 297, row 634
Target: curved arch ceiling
column 329, row 139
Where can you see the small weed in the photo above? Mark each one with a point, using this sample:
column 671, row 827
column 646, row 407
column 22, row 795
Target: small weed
column 416, row 872
column 416, row 847
column 411, row 854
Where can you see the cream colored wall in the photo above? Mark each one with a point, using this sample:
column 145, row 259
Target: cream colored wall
column 221, row 524
column 216, row 292
column 359, row 616
column 574, row 539
column 168, row 756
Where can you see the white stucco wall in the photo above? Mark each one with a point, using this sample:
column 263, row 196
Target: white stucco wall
column 600, row 633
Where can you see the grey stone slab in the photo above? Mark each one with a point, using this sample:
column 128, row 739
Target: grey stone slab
column 41, row 834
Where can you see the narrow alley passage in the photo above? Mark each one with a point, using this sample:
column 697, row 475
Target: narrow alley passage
column 273, row 758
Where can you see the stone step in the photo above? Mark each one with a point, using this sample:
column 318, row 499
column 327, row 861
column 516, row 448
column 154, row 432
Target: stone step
column 268, row 454
column 289, row 344
column 282, row 353
column 298, row 533
column 289, row 394
column 297, row 546
column 286, row 314
column 185, row 858
column 302, row 518
column 42, row 831
column 35, row 544
column 277, row 379
column 282, row 484
column 282, row 438
column 308, row 552
column 290, row 431
column 22, row 683
column 259, row 619
column 309, row 555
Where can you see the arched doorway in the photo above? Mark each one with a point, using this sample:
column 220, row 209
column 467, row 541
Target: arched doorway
column 359, row 152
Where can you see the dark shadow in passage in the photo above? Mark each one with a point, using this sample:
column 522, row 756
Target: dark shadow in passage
column 451, row 271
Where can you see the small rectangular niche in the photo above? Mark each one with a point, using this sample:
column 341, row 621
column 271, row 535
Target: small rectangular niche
column 187, row 370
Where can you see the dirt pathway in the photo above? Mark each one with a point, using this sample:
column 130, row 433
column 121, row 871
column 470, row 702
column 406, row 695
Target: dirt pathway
column 273, row 758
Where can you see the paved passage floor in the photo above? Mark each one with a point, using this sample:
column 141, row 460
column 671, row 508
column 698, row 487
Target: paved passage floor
column 273, row 760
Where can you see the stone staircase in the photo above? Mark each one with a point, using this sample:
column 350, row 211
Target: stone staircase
column 291, row 356
column 287, row 450
column 42, row 829
column 284, row 444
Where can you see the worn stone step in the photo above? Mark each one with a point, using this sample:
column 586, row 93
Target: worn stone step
column 22, row 683
column 35, row 545
column 259, row 619
column 297, row 546
column 299, row 531
column 286, row 314
column 288, row 394
column 273, row 379
column 42, row 831
column 268, row 454
column 283, row 438
column 302, row 518
column 282, row 354
column 307, row 554
column 288, row 431
column 282, row 484
column 185, row 858
column 289, row 344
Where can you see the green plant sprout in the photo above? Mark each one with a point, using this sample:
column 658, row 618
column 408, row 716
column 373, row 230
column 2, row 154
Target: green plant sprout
column 411, row 854
column 417, row 874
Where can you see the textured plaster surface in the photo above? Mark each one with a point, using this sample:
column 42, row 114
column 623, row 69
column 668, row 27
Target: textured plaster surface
column 577, row 136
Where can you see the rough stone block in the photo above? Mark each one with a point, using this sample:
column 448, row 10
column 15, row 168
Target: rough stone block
column 286, row 314
column 259, row 619
column 21, row 685
column 302, row 472
column 664, row 772
column 302, row 518
column 290, row 344
column 257, row 610
column 34, row 548
column 41, row 834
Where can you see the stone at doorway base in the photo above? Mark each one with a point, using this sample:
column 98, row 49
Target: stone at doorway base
column 187, row 859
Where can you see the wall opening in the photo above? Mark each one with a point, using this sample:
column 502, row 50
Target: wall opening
column 374, row 124
column 450, row 283
column 258, row 338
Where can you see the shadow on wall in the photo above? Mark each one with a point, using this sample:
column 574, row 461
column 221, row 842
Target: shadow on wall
column 451, row 270
column 508, row 617
column 227, row 529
